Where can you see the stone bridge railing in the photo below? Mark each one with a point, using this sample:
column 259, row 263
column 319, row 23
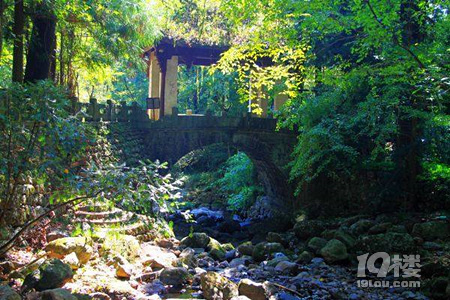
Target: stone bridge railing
column 110, row 112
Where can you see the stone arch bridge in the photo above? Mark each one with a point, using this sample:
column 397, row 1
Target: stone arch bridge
column 171, row 138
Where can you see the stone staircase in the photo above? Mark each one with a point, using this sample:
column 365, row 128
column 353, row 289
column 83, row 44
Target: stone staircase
column 103, row 219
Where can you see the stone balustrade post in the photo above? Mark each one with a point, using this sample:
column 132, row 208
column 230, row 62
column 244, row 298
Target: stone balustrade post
column 175, row 111
column 93, row 110
column 109, row 111
column 123, row 113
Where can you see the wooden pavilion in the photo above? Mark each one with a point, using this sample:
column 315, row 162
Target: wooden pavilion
column 163, row 60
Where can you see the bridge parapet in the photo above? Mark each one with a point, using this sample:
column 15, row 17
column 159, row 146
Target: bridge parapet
column 134, row 114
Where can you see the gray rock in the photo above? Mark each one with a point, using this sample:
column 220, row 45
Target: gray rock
column 174, row 276
column 286, row 267
column 7, row 293
column 155, row 287
column 187, row 257
column 253, row 290
column 57, row 294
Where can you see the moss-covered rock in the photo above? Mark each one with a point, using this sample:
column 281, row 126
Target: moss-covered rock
column 50, row 275
column 273, row 237
column 345, row 237
column 262, row 250
column 228, row 246
column 81, row 246
column 316, row 243
column 245, row 248
column 380, row 228
column 432, row 230
column 390, row 242
column 215, row 286
column 196, row 240
column 308, row 228
column 361, row 226
column 334, row 251
column 216, row 250
column 305, row 257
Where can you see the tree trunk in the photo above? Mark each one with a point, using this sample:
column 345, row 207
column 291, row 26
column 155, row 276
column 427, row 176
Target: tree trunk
column 408, row 139
column 19, row 22
column 2, row 11
column 41, row 52
column 61, row 58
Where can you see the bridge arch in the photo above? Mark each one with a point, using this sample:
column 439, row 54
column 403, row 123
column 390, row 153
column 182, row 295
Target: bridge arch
column 172, row 138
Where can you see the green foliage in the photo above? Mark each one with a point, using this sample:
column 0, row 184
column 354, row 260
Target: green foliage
column 201, row 90
column 238, row 182
column 263, row 70
column 142, row 189
column 41, row 144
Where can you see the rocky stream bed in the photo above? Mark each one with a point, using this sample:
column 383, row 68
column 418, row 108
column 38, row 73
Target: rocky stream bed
column 216, row 255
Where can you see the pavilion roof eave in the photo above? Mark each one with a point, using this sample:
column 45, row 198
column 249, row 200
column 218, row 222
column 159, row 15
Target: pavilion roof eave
column 189, row 54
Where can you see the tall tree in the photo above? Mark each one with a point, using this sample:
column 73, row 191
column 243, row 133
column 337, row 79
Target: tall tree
column 19, row 23
column 42, row 44
column 2, row 11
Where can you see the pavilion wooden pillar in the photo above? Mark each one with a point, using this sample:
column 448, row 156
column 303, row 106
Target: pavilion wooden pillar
column 170, row 85
column 154, row 73
column 263, row 103
column 278, row 101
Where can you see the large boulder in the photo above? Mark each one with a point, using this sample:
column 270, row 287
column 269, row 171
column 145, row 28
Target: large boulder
column 253, row 290
column 174, row 276
column 334, row 251
column 215, row 286
column 7, row 293
column 432, row 230
column 50, row 275
column 81, row 246
column 196, row 240
column 308, row 229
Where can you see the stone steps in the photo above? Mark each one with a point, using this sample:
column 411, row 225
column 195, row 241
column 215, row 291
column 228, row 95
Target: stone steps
column 105, row 219
column 96, row 215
